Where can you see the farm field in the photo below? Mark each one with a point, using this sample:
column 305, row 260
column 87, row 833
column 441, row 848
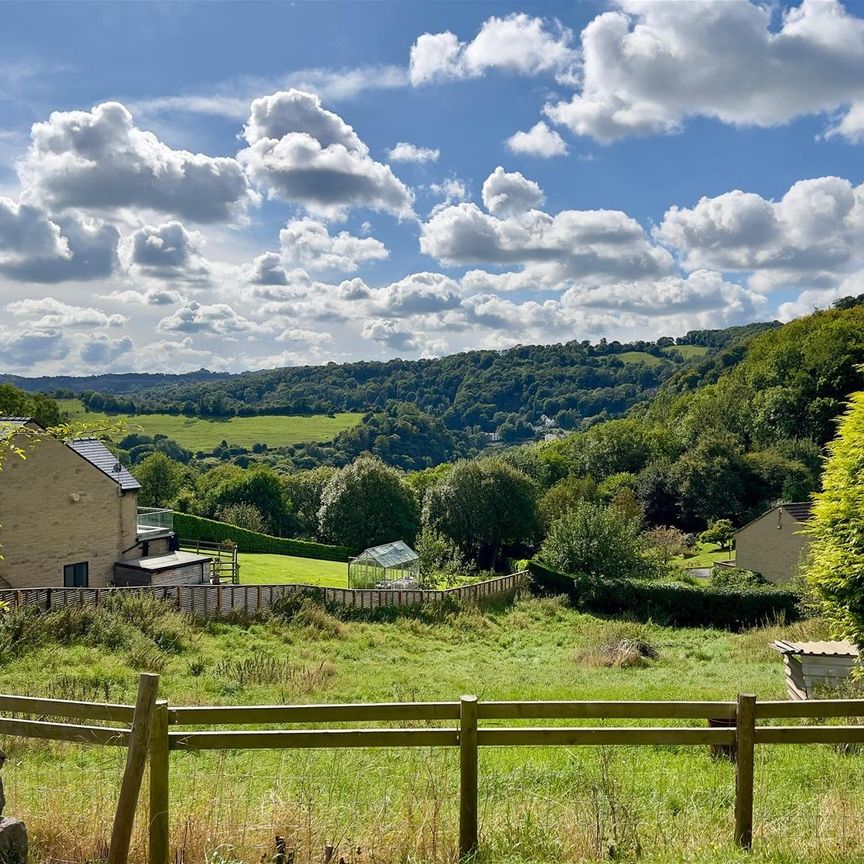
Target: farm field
column 264, row 569
column 639, row 357
column 651, row 804
column 196, row 433
column 688, row 352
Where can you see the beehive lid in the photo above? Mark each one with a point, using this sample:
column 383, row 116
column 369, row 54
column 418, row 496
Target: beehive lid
column 816, row 649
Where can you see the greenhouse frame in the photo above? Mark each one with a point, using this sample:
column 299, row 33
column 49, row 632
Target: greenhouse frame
column 392, row 565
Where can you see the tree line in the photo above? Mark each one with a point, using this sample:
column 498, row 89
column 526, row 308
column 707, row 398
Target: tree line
column 571, row 384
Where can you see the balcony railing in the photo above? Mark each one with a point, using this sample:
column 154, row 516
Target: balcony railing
column 155, row 521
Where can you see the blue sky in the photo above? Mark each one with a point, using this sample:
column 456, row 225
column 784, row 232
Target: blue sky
column 219, row 184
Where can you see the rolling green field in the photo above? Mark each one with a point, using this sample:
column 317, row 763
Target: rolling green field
column 537, row 805
column 263, row 569
column 196, row 433
column 688, row 352
column 640, row 357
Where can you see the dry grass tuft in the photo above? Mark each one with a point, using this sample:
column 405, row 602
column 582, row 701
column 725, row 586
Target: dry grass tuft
column 616, row 645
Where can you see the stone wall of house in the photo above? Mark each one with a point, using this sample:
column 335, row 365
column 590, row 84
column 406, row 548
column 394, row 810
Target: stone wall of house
column 57, row 509
column 772, row 545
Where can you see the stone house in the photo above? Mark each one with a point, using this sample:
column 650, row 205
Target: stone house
column 775, row 544
column 69, row 517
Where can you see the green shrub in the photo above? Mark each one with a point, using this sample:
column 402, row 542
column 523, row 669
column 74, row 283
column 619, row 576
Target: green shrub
column 736, row 577
column 190, row 527
column 596, row 540
column 673, row 603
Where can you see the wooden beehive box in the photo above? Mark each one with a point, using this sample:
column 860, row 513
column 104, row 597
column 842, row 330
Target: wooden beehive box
column 815, row 666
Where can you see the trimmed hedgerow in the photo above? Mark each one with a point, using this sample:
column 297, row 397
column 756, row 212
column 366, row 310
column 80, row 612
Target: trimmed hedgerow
column 672, row 603
column 189, row 527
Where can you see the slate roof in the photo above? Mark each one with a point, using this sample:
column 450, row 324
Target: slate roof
column 98, row 455
column 800, row 511
column 7, row 424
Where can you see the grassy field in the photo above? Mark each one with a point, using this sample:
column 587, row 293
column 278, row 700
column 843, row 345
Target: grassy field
column 706, row 554
column 262, row 569
column 196, row 433
column 537, row 806
column 640, row 357
column 688, row 352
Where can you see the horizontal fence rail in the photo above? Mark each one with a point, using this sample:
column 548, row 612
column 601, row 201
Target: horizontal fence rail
column 732, row 728
column 215, row 601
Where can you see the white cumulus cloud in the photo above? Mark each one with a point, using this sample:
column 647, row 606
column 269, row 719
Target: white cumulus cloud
column 516, row 43
column 308, row 243
column 404, row 152
column 100, row 160
column 539, row 140
column 301, row 152
column 648, row 65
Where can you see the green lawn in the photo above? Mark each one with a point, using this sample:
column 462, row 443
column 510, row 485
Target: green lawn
column 688, row 352
column 639, row 357
column 197, row 433
column 261, row 569
column 705, row 556
column 651, row 805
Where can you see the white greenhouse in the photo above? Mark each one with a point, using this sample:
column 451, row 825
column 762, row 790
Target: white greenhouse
column 393, row 565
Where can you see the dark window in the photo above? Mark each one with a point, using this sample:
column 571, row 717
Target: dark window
column 76, row 575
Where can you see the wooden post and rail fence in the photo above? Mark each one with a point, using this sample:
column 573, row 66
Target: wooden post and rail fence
column 149, row 733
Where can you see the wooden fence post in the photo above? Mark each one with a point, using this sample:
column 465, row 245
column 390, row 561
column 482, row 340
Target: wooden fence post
column 745, row 731
column 159, row 848
column 467, row 776
column 136, row 759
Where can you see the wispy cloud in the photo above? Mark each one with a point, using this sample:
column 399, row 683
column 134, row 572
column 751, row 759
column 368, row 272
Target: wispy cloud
column 231, row 98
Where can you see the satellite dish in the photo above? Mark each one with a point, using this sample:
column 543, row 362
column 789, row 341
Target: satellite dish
column 117, row 468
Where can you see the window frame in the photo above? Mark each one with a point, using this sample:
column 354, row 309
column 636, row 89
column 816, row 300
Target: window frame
column 76, row 574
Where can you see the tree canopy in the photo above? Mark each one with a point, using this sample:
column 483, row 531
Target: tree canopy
column 367, row 504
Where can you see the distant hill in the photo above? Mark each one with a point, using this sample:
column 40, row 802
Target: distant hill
column 510, row 393
column 119, row 382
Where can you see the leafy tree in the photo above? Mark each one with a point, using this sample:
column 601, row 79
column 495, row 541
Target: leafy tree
column 657, row 494
column 243, row 515
column 835, row 570
column 564, row 496
column 667, row 541
column 160, row 480
column 596, row 540
column 710, row 480
column 610, row 486
column 616, row 447
column 483, row 506
column 258, row 486
column 304, row 491
column 366, row 504
column 16, row 403
column 720, row 532
column 441, row 560
column 773, row 477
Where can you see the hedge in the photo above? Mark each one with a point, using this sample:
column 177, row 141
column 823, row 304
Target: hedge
column 673, row 603
column 190, row 528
